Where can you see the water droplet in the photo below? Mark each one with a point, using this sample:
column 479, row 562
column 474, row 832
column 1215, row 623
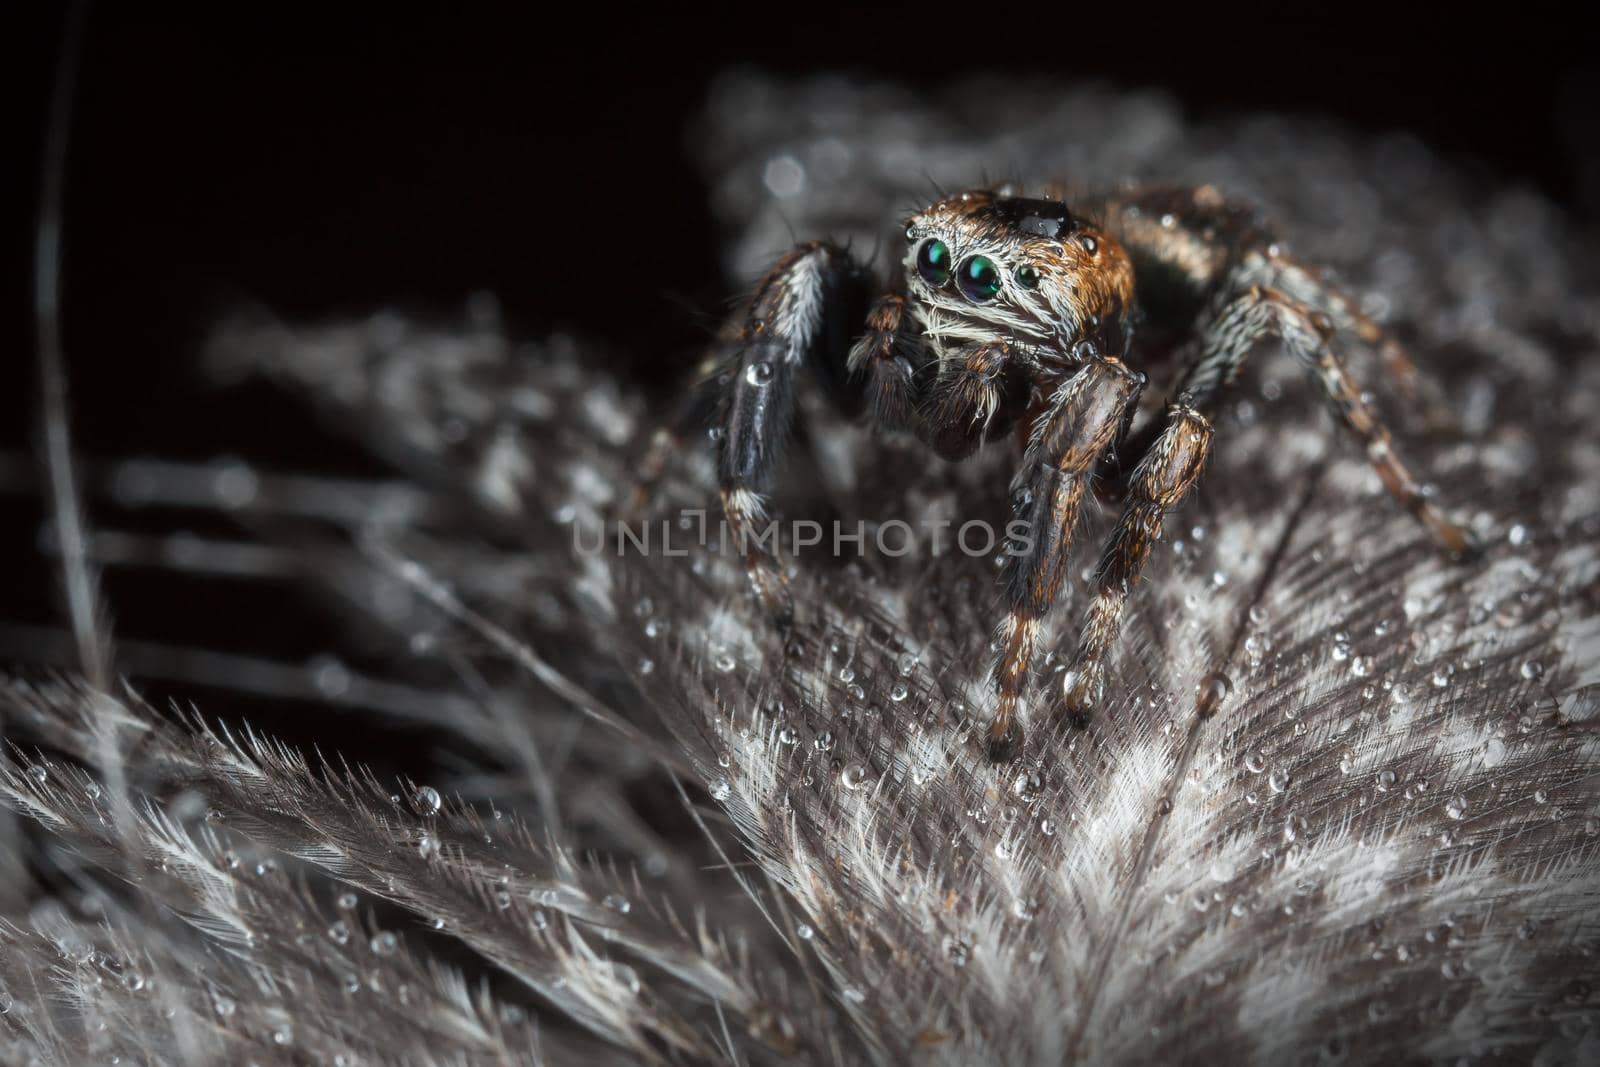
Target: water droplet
column 618, row 903
column 957, row 950
column 347, row 902
column 1028, row 785
column 427, row 846
column 1457, row 808
column 899, row 692
column 1279, row 780
column 224, row 1006
column 854, row 995
column 339, row 933
column 1255, row 762
column 38, row 774
column 847, row 674
column 1361, row 666
column 427, row 800
column 804, row 932
column 1047, row 827
column 283, row 1035
column 1212, row 691
column 1386, row 780
column 853, row 776
column 1532, row 669
column 721, row 789
column 758, row 374
column 1541, row 797
column 824, row 741
column 788, row 736
column 384, row 942
column 646, row 665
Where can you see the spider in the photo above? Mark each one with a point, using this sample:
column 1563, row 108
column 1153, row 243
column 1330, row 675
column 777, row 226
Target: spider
column 1017, row 314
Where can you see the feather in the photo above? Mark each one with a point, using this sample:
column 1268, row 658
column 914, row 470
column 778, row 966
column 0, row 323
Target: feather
column 1340, row 802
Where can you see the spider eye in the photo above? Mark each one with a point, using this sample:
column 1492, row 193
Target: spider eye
column 978, row 279
column 933, row 262
column 1028, row 277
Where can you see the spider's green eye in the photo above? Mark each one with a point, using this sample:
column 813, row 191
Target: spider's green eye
column 933, row 262
column 978, row 279
column 1028, row 277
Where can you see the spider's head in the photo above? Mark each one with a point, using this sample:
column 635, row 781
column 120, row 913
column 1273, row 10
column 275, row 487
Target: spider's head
column 983, row 265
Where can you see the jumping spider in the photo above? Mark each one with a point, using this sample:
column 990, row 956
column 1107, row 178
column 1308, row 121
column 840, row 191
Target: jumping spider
column 1017, row 314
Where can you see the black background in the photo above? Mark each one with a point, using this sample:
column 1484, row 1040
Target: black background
column 323, row 160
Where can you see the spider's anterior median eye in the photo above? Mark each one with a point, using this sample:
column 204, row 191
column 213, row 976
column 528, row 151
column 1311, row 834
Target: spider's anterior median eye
column 1028, row 277
column 979, row 278
column 933, row 262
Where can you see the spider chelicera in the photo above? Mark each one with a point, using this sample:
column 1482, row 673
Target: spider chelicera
column 1016, row 314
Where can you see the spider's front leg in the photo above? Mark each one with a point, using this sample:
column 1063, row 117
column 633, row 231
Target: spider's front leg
column 803, row 312
column 1085, row 418
column 1164, row 476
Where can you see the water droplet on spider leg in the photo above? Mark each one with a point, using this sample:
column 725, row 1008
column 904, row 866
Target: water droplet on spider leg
column 1457, row 808
column 384, row 942
column 759, row 373
column 854, row 776
column 721, row 789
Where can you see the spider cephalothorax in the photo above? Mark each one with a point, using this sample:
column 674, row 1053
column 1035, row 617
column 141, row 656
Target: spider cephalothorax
column 980, row 267
column 1011, row 310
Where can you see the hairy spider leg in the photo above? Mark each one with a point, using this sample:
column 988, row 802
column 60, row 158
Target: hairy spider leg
column 1259, row 313
column 1161, row 481
column 1084, row 419
column 1311, row 287
column 803, row 313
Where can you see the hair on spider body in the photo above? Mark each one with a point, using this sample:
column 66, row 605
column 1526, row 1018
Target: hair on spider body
column 1007, row 310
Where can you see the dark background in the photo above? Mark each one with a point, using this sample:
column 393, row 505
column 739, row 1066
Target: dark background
column 326, row 161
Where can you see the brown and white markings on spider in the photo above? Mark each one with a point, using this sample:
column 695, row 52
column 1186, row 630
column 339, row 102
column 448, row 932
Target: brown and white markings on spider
column 1015, row 314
